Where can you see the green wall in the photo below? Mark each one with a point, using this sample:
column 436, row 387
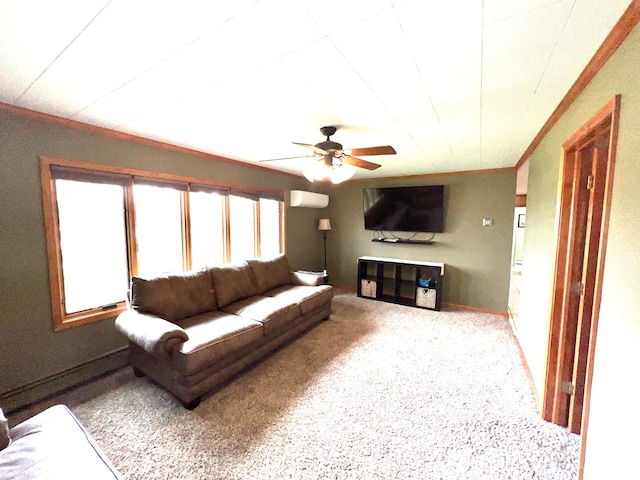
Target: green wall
column 614, row 418
column 30, row 350
column 477, row 259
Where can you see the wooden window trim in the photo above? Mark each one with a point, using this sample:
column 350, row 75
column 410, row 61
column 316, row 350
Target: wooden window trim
column 185, row 221
column 283, row 224
column 61, row 319
column 257, row 244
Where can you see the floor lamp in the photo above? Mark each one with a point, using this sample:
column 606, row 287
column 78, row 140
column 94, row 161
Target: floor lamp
column 324, row 226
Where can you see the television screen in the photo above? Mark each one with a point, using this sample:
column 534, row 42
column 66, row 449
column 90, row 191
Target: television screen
column 404, row 209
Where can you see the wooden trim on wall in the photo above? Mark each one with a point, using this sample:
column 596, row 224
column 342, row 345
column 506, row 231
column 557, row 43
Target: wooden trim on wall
column 445, row 305
column 593, row 124
column 455, row 306
column 527, row 370
column 521, row 201
column 620, row 31
column 74, row 124
column 53, row 254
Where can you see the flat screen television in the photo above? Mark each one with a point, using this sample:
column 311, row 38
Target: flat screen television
column 404, row 209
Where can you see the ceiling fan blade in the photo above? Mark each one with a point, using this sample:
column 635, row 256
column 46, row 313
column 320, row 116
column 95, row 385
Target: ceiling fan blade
column 312, row 147
column 358, row 162
column 288, row 158
column 382, row 150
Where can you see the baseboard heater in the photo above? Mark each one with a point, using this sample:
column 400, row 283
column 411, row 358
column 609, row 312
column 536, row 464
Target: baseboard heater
column 22, row 397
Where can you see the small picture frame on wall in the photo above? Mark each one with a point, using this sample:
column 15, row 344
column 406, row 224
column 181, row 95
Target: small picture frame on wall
column 521, row 220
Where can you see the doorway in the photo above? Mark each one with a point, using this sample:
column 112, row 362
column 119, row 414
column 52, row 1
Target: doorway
column 586, row 180
column 517, row 249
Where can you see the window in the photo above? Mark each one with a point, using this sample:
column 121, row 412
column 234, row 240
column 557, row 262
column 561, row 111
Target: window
column 242, row 228
column 93, row 245
column 158, row 229
column 207, row 228
column 105, row 224
column 270, row 218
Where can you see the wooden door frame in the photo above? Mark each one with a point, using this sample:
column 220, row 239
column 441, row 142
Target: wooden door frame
column 609, row 114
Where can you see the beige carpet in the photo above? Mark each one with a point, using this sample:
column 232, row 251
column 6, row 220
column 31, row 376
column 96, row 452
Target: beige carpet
column 379, row 391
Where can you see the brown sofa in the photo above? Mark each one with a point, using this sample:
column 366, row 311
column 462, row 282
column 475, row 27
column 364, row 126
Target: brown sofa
column 191, row 331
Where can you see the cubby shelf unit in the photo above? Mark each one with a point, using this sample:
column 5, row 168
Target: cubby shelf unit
column 398, row 281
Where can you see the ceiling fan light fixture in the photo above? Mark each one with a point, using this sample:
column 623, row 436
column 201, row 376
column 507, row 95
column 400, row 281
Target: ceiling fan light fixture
column 321, row 171
column 335, row 165
column 318, row 171
column 341, row 173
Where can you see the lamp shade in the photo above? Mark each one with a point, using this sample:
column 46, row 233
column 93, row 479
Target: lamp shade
column 325, row 224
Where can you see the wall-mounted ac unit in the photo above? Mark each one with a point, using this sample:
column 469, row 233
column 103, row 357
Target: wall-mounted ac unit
column 300, row 198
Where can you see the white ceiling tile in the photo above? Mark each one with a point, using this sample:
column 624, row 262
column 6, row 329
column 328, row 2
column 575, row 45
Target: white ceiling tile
column 384, row 63
column 444, row 36
column 172, row 83
column 32, row 34
column 323, row 66
column 586, row 26
column 499, row 117
column 497, row 10
column 92, row 68
column 447, row 53
column 462, row 131
column 337, row 15
column 516, row 72
column 541, row 28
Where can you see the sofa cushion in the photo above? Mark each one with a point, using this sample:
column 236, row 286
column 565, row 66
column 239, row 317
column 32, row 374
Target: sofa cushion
column 232, row 282
column 53, row 444
column 174, row 296
column 270, row 273
column 309, row 298
column 272, row 313
column 212, row 337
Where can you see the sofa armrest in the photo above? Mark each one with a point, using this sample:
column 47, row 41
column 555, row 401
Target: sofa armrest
column 150, row 332
column 54, row 444
column 310, row 279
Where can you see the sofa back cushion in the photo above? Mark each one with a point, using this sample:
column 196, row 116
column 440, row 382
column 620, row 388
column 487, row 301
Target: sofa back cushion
column 174, row 296
column 270, row 273
column 232, row 282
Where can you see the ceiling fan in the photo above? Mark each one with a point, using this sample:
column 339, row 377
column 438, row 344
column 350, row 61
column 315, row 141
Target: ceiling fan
column 334, row 163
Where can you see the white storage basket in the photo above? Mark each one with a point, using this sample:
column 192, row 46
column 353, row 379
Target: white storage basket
column 426, row 297
column 368, row 288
